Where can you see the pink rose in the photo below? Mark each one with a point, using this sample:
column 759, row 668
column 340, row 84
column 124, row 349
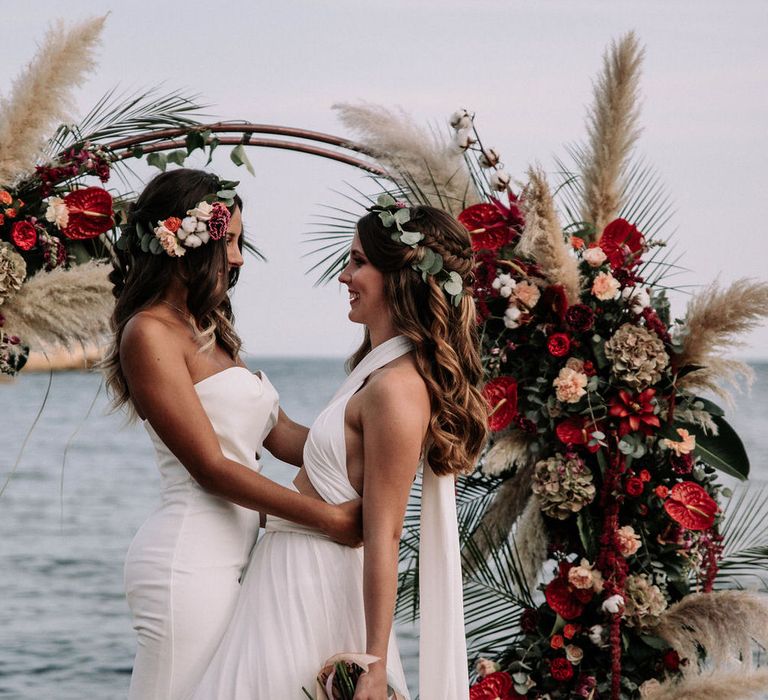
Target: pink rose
column 605, row 287
column 628, row 540
column 570, row 385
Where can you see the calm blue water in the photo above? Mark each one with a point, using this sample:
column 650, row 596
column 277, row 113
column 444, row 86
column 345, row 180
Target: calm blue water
column 65, row 632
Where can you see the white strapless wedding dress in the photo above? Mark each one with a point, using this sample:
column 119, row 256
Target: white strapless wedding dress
column 302, row 596
column 183, row 568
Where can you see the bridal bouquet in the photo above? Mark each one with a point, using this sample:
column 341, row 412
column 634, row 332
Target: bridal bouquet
column 338, row 677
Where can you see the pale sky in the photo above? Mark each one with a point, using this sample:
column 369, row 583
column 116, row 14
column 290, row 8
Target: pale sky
column 525, row 68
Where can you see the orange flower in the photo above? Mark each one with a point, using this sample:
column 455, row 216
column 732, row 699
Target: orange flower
column 577, row 243
column 661, row 491
column 5, row 198
column 557, row 641
column 645, row 475
column 569, row 631
column 172, row 223
column 10, row 213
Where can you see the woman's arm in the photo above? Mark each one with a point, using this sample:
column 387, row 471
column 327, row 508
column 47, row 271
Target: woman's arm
column 394, row 415
column 286, row 440
column 162, row 390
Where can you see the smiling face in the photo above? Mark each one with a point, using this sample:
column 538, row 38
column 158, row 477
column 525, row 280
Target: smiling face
column 365, row 283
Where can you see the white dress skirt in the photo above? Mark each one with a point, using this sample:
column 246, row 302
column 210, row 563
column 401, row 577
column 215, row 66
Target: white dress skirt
column 184, row 566
column 302, row 596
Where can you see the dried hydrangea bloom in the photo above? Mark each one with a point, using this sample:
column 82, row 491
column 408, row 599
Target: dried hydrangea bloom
column 563, row 485
column 13, row 271
column 638, row 356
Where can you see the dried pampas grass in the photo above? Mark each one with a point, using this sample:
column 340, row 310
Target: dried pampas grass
column 612, row 132
column 531, row 541
column 715, row 319
column 509, row 451
column 63, row 307
column 716, row 685
column 725, row 624
column 543, row 239
column 417, row 160
column 40, row 97
column 509, row 502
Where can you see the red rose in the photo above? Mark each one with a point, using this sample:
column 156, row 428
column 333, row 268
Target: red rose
column 619, row 240
column 557, row 641
column 561, row 669
column 24, row 235
column 487, row 225
column 570, row 631
column 90, row 213
column 501, row 395
column 580, row 317
column 661, row 491
column 671, row 660
column 691, row 506
column 645, row 475
column 558, row 344
column 172, row 223
column 634, row 486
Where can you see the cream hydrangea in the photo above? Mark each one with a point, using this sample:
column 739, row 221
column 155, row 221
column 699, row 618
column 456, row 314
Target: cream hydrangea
column 644, row 602
column 564, row 485
column 638, row 356
column 13, row 271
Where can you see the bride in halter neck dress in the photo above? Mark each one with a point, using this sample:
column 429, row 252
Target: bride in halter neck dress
column 208, row 418
column 304, row 598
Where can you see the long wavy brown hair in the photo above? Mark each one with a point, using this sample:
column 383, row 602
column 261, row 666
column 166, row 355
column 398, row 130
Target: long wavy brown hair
column 444, row 336
column 140, row 278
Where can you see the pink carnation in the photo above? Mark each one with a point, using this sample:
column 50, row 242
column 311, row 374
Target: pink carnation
column 605, row 287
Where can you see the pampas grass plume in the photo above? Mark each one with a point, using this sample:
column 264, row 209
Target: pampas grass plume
column 715, row 319
column 63, row 307
column 542, row 237
column 401, row 146
column 717, row 685
column 612, row 131
column 531, row 541
column 40, row 97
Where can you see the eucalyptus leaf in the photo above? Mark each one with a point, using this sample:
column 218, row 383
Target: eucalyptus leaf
column 239, row 157
column 140, row 230
column 145, row 241
column 177, row 157
column 387, row 219
column 154, row 246
column 158, row 160
column 710, row 407
column 402, row 216
column 194, row 140
column 122, row 242
column 437, row 265
column 213, row 144
column 385, row 200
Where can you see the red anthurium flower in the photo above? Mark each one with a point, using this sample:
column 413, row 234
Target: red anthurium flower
column 577, row 431
column 562, row 599
column 494, row 686
column 90, row 213
column 691, row 506
column 635, row 412
column 619, row 240
column 491, row 224
column 501, row 394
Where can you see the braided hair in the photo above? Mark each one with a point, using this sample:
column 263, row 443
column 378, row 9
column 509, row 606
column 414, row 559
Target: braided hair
column 444, row 335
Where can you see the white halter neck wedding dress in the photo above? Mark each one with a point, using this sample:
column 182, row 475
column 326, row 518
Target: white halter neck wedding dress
column 302, row 595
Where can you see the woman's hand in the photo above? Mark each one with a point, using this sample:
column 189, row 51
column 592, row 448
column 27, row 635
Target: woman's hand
column 345, row 523
column 372, row 685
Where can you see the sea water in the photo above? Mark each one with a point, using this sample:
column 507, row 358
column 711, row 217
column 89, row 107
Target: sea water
column 84, row 484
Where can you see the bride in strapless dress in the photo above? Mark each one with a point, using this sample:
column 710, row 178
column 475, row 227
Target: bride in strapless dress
column 176, row 364
column 410, row 398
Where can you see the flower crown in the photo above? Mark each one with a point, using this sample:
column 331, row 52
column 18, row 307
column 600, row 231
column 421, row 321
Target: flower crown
column 395, row 213
column 208, row 220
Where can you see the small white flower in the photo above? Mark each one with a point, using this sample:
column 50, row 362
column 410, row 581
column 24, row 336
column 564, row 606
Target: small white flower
column 189, row 224
column 204, row 236
column 201, row 211
column 193, row 241
column 454, row 285
column 488, row 158
column 638, row 298
column 506, row 292
column 594, row 256
column 613, row 604
column 511, row 316
column 505, row 284
column 411, row 237
column 463, row 139
column 500, row 180
column 201, row 226
column 595, row 635
column 461, row 119
column 57, row 212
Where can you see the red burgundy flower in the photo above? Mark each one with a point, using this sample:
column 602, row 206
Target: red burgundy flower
column 577, row 431
column 634, row 486
column 494, row 686
column 490, row 224
column 24, row 235
column 671, row 660
column 554, row 298
column 564, row 599
column 561, row 669
column 90, row 213
column 558, row 344
column 691, row 506
column 580, row 317
column 619, row 241
column 635, row 412
column 501, row 395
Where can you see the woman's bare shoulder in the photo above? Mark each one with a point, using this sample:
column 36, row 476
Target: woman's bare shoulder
column 397, row 386
column 149, row 331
